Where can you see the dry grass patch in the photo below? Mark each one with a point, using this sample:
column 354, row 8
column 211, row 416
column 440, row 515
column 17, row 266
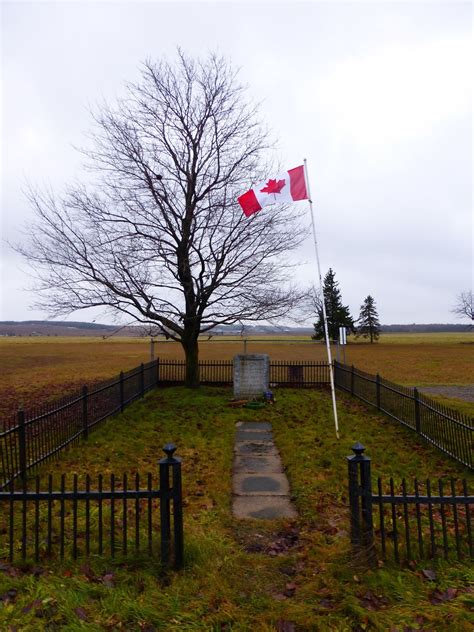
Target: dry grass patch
column 38, row 370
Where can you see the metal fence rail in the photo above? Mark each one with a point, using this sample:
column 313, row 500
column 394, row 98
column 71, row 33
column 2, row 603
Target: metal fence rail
column 433, row 521
column 282, row 372
column 40, row 433
column 447, row 429
column 210, row 371
column 116, row 521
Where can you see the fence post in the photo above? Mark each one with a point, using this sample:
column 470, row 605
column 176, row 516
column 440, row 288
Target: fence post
column 142, row 380
column 417, row 410
column 352, row 380
column 360, row 500
column 167, row 494
column 22, row 444
column 122, row 403
column 85, row 422
column 377, row 390
column 157, row 371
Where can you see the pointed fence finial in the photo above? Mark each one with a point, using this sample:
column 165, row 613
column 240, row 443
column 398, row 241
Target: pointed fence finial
column 358, row 449
column 169, row 449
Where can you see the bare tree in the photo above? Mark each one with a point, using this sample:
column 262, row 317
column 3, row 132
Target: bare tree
column 159, row 236
column 464, row 307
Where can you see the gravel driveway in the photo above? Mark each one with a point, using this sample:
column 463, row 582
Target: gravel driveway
column 465, row 392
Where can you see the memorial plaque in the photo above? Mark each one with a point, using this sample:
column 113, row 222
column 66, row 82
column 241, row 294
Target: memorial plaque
column 251, row 375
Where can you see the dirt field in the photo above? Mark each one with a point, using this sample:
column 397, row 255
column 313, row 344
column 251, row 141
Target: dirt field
column 35, row 370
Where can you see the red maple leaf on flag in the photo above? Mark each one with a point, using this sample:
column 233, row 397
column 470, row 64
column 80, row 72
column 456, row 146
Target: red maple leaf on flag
column 273, row 186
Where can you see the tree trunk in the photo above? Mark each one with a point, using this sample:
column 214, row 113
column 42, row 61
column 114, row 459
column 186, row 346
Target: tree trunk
column 191, row 351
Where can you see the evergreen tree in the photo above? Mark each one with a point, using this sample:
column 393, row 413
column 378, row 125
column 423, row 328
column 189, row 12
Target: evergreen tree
column 337, row 314
column 368, row 322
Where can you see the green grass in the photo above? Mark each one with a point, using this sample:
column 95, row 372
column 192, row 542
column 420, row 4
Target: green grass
column 231, row 580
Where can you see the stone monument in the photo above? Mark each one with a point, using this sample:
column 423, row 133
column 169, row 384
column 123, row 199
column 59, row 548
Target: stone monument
column 251, row 375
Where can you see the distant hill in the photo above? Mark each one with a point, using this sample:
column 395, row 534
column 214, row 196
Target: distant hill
column 77, row 328
column 61, row 328
column 419, row 329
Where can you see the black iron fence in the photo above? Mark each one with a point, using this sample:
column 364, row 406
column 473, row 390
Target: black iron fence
column 447, row 429
column 130, row 516
column 282, row 372
column 210, row 371
column 40, row 433
column 434, row 520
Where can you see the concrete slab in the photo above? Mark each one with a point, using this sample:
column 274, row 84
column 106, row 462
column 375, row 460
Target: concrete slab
column 263, row 507
column 254, row 448
column 253, row 435
column 254, row 425
column 260, row 464
column 260, row 484
column 260, row 487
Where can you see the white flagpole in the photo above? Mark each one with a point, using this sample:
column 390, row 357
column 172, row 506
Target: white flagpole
column 326, row 335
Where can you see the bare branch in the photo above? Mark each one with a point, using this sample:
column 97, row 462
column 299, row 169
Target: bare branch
column 160, row 237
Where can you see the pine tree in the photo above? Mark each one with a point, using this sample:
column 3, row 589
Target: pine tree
column 368, row 323
column 337, row 314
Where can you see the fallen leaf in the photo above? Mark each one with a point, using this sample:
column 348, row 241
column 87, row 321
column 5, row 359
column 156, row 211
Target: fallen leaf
column 37, row 603
column 285, row 626
column 81, row 614
column 88, row 572
column 438, row 597
column 373, row 602
column 108, row 580
column 429, row 574
column 9, row 596
column 289, row 589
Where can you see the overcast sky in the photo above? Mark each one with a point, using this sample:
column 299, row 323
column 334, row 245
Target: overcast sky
column 377, row 96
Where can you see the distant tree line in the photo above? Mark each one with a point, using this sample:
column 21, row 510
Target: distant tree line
column 422, row 328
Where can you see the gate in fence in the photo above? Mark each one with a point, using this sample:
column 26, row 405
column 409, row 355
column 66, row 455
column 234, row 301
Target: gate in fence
column 427, row 523
column 121, row 520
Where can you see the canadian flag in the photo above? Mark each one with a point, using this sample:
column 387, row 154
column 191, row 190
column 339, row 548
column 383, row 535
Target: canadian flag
column 288, row 186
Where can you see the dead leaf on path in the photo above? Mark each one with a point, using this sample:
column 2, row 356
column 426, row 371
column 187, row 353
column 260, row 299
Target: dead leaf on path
column 429, row 574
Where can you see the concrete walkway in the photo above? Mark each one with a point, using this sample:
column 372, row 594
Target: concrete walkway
column 260, row 487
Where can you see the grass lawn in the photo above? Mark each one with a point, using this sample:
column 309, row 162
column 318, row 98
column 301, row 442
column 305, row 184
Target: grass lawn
column 241, row 575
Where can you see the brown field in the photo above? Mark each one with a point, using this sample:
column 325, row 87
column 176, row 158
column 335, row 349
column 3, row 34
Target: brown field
column 36, row 370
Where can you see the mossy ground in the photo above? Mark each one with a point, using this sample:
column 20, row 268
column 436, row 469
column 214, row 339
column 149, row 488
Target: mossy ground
column 239, row 575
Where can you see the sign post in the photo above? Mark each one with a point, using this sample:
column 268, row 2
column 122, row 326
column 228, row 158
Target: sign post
column 342, row 341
